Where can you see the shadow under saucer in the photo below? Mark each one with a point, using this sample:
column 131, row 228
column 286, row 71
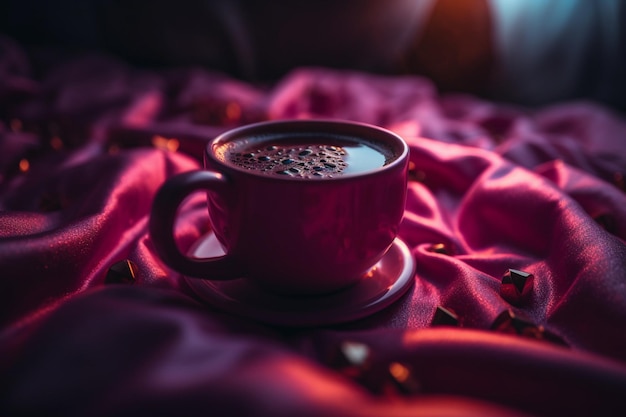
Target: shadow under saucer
column 381, row 286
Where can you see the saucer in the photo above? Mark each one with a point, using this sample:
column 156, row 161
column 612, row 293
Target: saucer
column 384, row 284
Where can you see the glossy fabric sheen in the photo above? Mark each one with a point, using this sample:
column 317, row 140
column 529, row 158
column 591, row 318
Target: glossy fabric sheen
column 539, row 190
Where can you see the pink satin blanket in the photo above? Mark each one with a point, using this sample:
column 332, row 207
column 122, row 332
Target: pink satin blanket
column 86, row 142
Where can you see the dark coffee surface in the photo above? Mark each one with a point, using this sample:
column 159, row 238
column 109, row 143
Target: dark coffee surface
column 306, row 156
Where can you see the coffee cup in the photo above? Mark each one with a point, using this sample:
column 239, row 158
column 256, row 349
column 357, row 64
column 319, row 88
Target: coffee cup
column 300, row 207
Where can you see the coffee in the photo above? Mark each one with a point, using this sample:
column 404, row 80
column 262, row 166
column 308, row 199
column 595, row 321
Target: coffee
column 305, row 156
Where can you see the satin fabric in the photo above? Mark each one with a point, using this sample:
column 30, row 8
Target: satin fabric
column 87, row 141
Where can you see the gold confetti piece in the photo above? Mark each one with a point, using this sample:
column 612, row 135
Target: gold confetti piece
column 24, row 165
column 166, row 144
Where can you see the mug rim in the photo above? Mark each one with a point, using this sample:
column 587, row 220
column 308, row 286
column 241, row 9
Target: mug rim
column 348, row 127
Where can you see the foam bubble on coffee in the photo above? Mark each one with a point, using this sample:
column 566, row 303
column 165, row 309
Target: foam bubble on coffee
column 317, row 161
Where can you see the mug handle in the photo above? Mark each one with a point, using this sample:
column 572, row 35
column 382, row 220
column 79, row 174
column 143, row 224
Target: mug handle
column 163, row 216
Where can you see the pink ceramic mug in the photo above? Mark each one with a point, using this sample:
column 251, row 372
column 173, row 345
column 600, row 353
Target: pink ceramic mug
column 299, row 206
